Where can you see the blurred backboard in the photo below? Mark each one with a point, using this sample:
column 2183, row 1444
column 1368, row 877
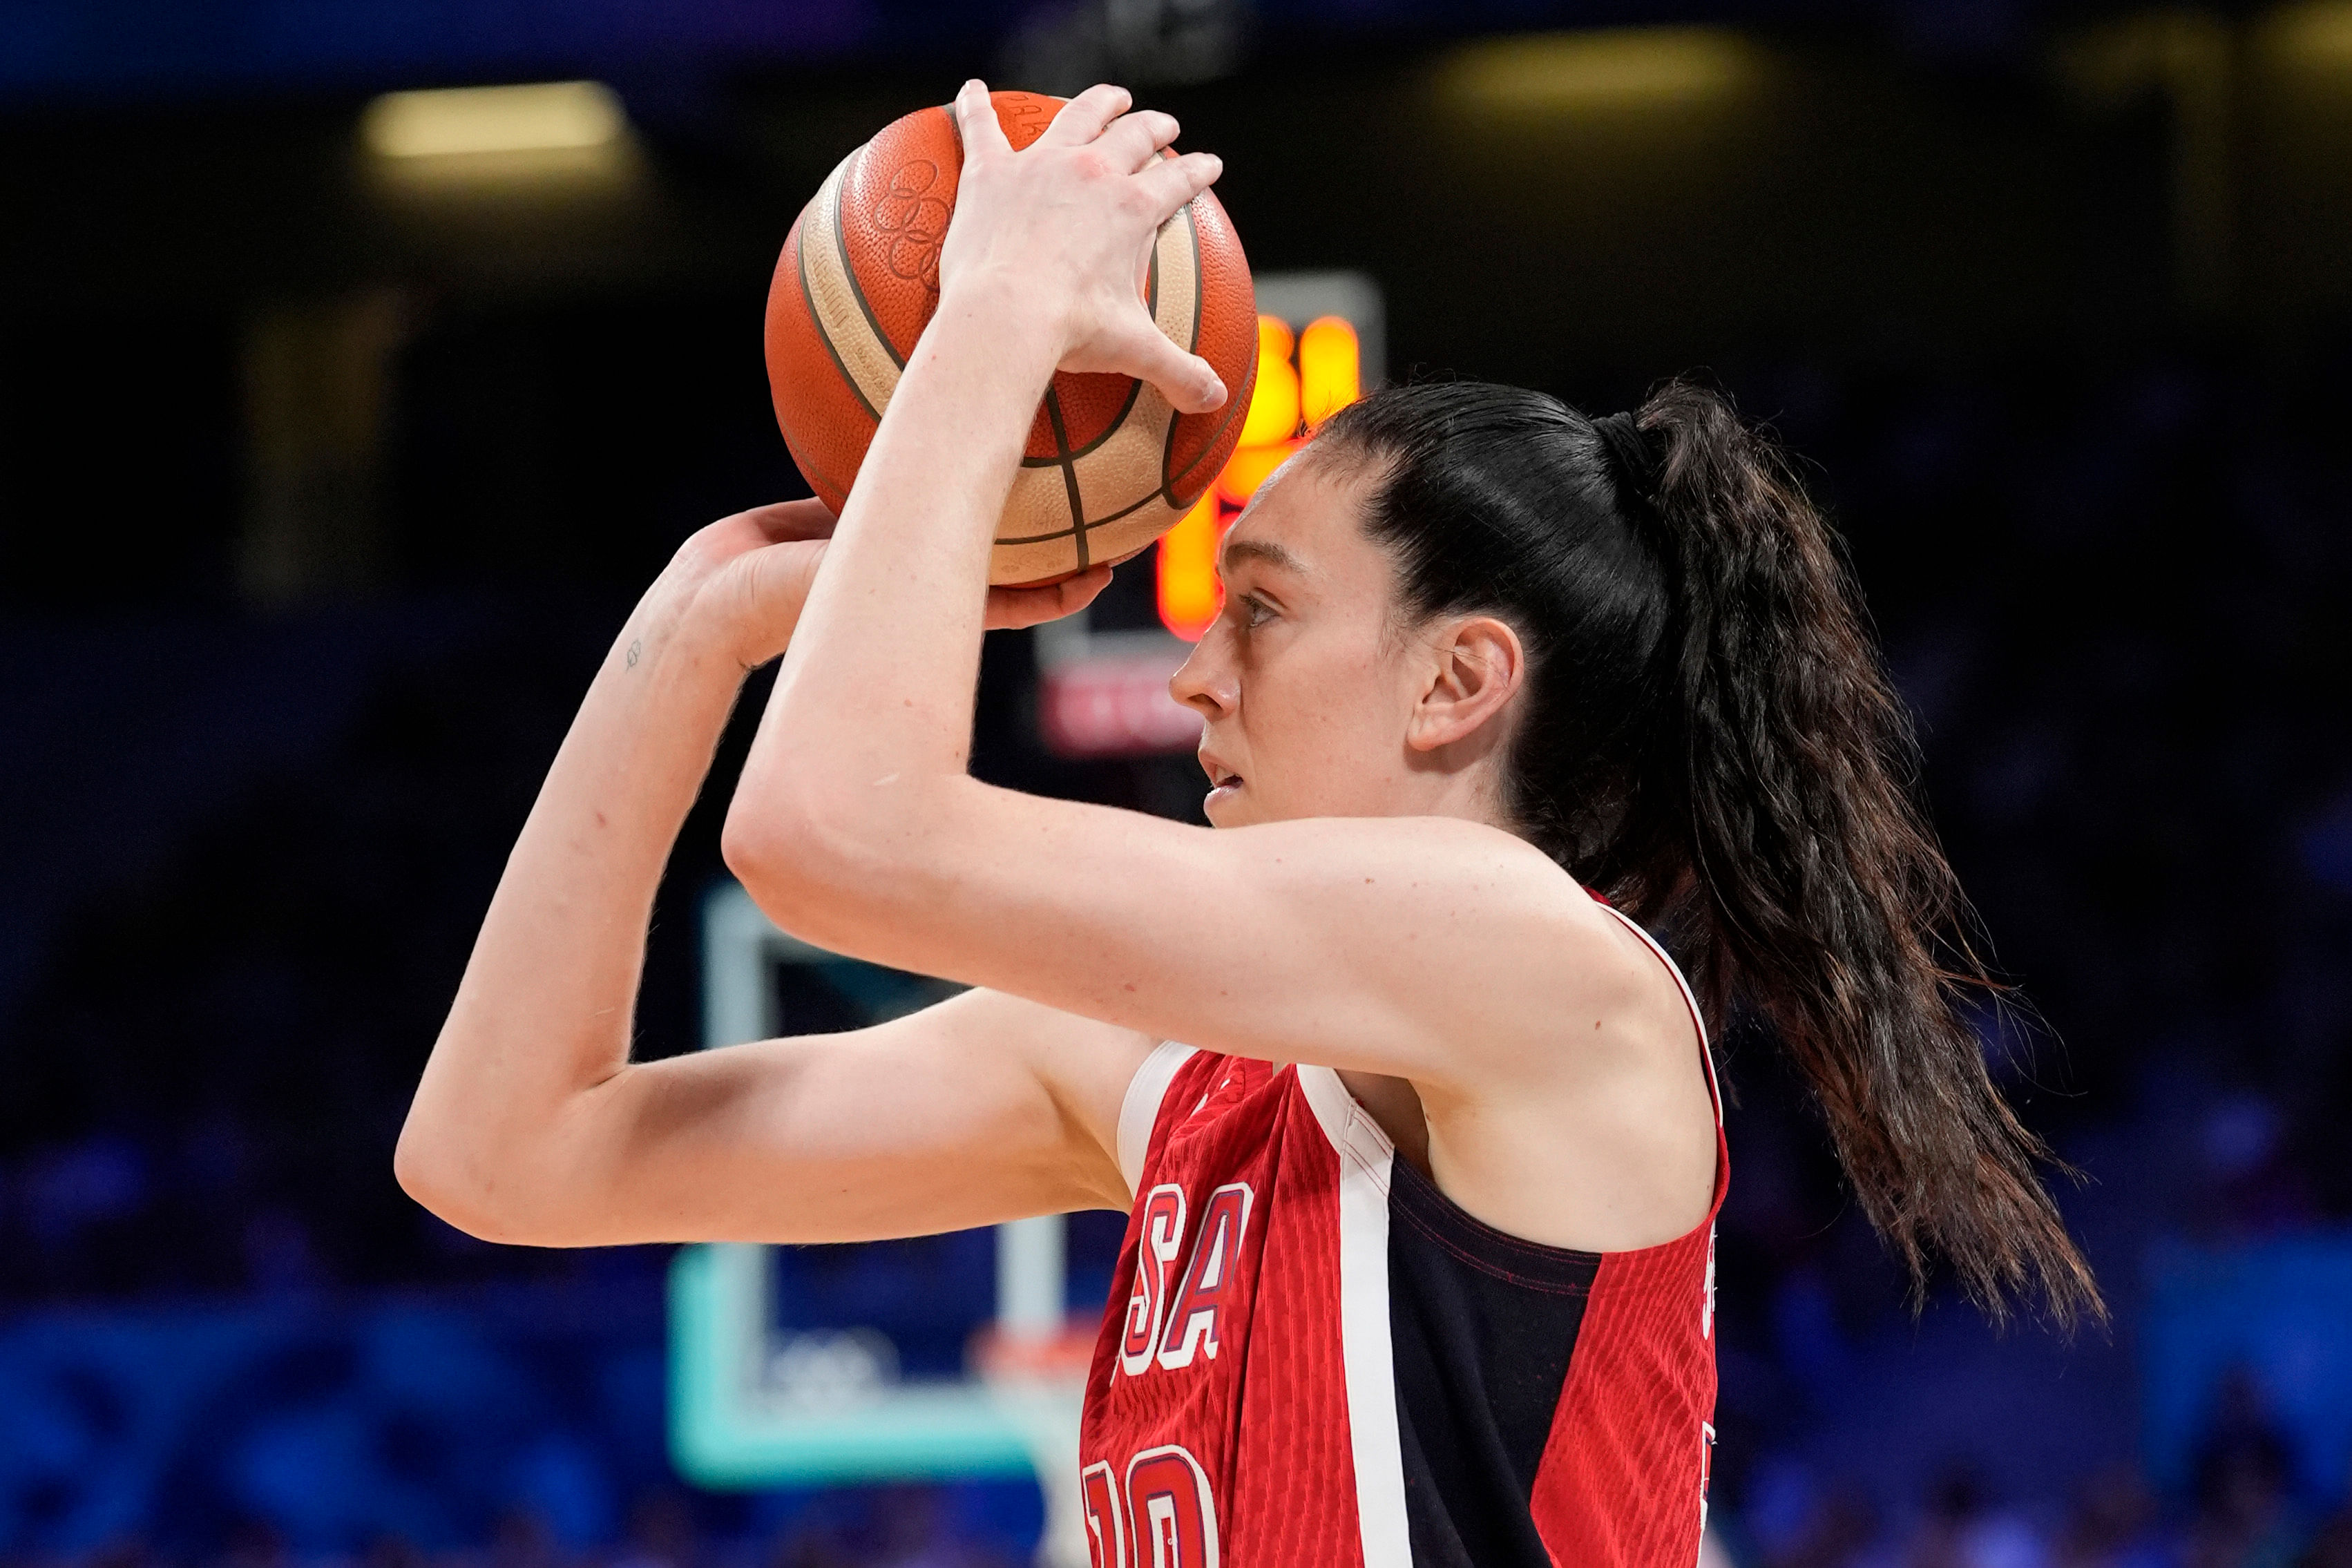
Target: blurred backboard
column 755, row 1404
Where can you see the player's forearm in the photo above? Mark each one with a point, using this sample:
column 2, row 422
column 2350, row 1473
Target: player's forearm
column 544, row 1011
column 873, row 706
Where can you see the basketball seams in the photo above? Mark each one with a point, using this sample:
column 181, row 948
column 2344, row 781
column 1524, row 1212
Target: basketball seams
column 864, row 357
column 1119, row 516
column 816, row 318
column 1118, row 423
column 1182, row 289
column 1235, row 407
column 817, row 477
column 1037, row 538
column 1124, row 469
column 1236, row 403
column 1152, row 279
column 1033, row 492
column 1192, row 346
column 1069, row 477
column 1168, row 455
column 849, row 270
column 1192, row 232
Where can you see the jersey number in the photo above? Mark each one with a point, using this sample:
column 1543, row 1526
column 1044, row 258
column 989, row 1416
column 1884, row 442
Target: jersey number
column 1164, row 1517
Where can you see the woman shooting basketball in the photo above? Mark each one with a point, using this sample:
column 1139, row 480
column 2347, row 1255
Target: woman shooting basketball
column 1418, row 1267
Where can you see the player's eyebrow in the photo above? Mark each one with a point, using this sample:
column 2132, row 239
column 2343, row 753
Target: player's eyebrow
column 1265, row 550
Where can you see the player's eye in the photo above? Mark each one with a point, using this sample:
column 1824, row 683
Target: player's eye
column 1255, row 611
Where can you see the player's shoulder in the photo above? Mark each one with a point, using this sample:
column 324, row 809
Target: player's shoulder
column 1438, row 853
column 1492, row 877
column 1456, row 946
column 1550, row 944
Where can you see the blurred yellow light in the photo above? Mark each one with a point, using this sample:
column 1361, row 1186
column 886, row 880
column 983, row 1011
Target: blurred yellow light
column 2317, row 33
column 1248, row 467
column 1273, row 408
column 1189, row 596
column 1326, row 376
column 543, row 116
column 1328, row 369
column 1625, row 67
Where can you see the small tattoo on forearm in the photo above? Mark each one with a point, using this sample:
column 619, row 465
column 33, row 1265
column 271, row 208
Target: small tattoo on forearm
column 637, row 649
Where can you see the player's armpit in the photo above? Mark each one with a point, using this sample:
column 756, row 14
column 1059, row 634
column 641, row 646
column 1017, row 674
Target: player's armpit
column 980, row 1109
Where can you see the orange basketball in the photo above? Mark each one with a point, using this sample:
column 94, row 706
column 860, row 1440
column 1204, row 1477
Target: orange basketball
column 1110, row 465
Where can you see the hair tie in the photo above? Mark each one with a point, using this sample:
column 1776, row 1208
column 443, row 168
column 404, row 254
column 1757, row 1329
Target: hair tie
column 1630, row 454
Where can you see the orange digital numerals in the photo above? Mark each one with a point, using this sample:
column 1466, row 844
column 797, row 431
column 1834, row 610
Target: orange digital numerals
column 1301, row 382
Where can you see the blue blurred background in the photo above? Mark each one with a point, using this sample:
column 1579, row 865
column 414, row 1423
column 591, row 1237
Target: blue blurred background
column 323, row 483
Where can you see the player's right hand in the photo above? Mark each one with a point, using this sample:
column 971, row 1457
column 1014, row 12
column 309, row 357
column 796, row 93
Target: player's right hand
column 1064, row 229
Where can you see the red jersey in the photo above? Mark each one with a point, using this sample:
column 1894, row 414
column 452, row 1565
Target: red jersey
column 1314, row 1359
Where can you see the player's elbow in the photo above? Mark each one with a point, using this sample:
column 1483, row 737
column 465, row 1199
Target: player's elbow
column 479, row 1210
column 431, row 1177
column 435, row 1176
column 752, row 843
column 817, row 862
column 485, row 1195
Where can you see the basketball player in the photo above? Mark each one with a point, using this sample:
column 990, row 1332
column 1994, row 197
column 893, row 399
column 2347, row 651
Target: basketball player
column 1413, row 1119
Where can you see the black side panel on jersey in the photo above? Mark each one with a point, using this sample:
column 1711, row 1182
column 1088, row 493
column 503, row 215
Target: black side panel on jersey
column 1483, row 1325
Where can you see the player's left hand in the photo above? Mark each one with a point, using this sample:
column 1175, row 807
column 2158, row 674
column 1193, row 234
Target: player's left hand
column 754, row 571
column 1066, row 224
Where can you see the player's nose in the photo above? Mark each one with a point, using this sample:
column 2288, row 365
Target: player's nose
column 1204, row 682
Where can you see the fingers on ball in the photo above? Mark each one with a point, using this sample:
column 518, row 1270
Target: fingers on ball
column 976, row 114
column 1082, row 119
column 1135, row 139
column 1170, row 183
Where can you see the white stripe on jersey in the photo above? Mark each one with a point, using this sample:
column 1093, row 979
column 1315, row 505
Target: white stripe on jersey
column 1365, row 1350
column 1140, row 1110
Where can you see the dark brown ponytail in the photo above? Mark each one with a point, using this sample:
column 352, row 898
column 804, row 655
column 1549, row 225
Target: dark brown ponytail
column 1709, row 737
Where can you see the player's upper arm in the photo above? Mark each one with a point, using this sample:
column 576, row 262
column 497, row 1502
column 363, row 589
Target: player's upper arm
column 980, row 1109
column 1433, row 949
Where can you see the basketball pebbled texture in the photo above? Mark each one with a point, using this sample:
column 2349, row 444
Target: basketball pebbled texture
column 1109, row 466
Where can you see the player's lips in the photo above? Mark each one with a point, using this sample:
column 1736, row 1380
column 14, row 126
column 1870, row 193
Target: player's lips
column 1221, row 777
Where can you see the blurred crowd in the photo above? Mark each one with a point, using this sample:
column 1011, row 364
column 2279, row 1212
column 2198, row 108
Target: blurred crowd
column 2243, row 1515
column 892, row 1527
column 2113, row 595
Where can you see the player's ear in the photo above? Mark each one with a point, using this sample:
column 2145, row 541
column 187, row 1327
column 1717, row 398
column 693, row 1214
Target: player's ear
column 1474, row 664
